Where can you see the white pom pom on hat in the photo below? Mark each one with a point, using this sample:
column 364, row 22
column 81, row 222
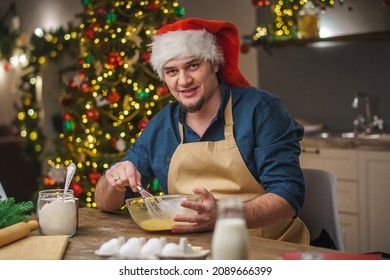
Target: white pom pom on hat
column 213, row 40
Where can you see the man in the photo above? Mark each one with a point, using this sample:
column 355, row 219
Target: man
column 222, row 138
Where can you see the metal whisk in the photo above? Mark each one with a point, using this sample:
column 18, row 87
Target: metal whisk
column 157, row 207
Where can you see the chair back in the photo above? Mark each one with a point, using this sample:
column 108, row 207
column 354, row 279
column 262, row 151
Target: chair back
column 320, row 211
column 3, row 196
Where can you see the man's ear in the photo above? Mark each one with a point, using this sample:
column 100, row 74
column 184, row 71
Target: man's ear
column 214, row 68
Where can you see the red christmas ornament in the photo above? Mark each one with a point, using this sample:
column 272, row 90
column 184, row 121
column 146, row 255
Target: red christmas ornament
column 114, row 60
column 162, row 90
column 153, row 6
column 89, row 33
column 67, row 117
column 94, row 176
column 386, row 3
column 260, row 3
column 244, row 48
column 81, row 75
column 92, row 114
column 101, row 10
column 143, row 123
column 113, row 97
column 85, row 87
column 113, row 141
column 72, row 84
column 146, row 57
column 77, row 189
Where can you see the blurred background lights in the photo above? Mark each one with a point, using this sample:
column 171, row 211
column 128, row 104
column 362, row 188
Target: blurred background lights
column 39, row 32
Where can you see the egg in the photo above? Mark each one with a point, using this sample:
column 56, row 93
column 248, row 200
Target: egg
column 142, row 241
column 163, row 242
column 152, row 247
column 131, row 248
column 171, row 249
column 111, row 247
column 135, row 243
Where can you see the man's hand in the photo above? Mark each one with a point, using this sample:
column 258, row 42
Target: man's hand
column 110, row 189
column 123, row 174
column 205, row 217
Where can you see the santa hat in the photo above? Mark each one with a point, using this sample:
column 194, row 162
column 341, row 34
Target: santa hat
column 213, row 40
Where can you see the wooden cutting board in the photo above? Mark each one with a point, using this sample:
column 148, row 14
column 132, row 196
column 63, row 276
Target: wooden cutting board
column 36, row 248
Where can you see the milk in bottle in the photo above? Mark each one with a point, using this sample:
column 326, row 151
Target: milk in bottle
column 230, row 238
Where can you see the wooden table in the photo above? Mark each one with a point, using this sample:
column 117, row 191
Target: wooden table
column 97, row 227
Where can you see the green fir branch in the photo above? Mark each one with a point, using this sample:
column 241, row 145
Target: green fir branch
column 12, row 213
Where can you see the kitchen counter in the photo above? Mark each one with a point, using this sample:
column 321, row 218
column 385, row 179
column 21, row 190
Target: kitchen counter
column 97, row 227
column 335, row 140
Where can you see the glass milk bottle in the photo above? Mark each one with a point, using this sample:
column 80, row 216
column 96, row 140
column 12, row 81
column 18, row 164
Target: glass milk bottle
column 230, row 237
column 57, row 214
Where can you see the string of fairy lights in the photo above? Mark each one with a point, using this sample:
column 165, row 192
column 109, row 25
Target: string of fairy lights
column 285, row 14
column 284, row 17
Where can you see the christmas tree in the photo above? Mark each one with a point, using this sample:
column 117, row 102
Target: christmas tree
column 111, row 95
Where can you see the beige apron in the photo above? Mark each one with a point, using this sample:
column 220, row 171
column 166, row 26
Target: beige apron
column 219, row 167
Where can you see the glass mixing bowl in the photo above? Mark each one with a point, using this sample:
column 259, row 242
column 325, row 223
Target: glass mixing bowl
column 139, row 211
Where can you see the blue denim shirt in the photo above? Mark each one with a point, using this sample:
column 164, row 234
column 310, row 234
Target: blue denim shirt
column 266, row 135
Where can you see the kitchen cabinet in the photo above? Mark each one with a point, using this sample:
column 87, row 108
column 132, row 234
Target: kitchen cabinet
column 343, row 163
column 363, row 191
column 374, row 191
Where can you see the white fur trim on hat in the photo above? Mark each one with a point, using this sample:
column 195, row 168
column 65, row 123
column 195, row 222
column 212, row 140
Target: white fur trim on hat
column 184, row 43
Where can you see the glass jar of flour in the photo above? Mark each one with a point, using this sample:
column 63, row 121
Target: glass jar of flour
column 57, row 212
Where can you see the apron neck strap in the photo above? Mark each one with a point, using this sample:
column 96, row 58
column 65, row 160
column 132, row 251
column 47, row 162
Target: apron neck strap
column 228, row 114
column 229, row 119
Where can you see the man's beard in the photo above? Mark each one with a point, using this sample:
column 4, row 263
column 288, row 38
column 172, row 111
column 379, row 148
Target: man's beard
column 192, row 108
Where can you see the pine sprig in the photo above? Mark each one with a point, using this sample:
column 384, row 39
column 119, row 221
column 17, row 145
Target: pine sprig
column 12, row 213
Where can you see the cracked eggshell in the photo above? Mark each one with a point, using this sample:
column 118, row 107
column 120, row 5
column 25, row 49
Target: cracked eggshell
column 182, row 251
column 185, row 247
